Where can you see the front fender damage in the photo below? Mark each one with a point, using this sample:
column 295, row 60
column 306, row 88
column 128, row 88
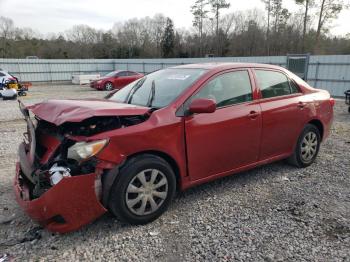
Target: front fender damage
column 60, row 193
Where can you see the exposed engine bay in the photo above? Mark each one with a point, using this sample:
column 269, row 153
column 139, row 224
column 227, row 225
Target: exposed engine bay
column 57, row 156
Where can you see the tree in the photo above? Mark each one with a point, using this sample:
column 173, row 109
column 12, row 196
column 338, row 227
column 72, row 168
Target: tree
column 200, row 13
column 216, row 6
column 279, row 13
column 280, row 16
column 307, row 4
column 157, row 30
column 168, row 39
column 328, row 10
column 241, row 33
column 7, row 29
column 268, row 8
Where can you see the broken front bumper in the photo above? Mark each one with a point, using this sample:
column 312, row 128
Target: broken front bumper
column 65, row 207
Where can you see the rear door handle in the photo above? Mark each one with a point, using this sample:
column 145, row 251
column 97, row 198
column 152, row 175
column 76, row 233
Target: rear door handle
column 253, row 114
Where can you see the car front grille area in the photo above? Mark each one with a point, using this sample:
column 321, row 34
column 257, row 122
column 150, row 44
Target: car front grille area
column 51, row 150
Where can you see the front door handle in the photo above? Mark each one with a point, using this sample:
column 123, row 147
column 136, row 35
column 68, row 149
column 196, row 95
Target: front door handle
column 253, row 114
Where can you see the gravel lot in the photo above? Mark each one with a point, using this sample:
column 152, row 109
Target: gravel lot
column 272, row 213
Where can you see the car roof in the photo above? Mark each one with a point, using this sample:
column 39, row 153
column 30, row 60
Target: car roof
column 225, row 66
column 118, row 71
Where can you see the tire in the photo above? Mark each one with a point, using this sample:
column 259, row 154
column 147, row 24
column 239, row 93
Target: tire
column 108, row 86
column 130, row 201
column 307, row 147
column 9, row 98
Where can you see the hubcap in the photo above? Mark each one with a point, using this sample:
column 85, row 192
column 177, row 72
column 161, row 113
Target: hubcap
column 109, row 86
column 146, row 192
column 309, row 146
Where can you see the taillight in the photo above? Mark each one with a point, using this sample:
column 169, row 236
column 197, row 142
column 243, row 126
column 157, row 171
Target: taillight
column 332, row 101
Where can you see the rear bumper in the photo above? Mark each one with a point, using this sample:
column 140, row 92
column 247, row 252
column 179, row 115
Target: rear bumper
column 65, row 207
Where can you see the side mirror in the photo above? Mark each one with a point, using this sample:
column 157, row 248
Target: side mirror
column 202, row 105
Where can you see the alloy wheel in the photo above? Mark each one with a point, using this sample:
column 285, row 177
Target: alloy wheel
column 309, row 147
column 146, row 192
column 109, row 86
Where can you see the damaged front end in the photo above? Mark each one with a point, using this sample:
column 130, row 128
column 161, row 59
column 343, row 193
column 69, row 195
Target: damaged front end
column 59, row 175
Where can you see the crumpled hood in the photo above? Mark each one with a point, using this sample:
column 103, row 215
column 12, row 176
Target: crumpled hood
column 61, row 111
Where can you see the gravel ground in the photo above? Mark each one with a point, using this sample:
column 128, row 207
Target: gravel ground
column 272, row 213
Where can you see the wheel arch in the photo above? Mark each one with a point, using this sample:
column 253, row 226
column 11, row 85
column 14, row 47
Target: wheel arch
column 317, row 123
column 112, row 175
column 169, row 159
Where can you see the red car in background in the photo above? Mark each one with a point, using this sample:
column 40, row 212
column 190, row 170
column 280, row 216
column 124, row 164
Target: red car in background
column 115, row 80
column 170, row 130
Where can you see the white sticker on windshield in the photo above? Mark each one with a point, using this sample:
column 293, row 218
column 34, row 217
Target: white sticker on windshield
column 178, row 77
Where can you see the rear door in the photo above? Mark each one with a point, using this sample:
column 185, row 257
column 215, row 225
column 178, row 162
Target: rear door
column 230, row 137
column 283, row 112
column 121, row 79
column 126, row 77
column 132, row 76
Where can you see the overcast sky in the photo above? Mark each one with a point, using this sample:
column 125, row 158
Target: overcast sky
column 59, row 15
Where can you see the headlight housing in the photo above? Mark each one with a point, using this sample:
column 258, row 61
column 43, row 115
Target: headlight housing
column 84, row 150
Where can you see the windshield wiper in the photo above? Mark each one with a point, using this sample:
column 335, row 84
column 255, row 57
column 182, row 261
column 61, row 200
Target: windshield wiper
column 152, row 94
column 134, row 89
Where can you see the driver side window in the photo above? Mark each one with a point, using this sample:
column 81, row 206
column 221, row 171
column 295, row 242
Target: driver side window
column 228, row 89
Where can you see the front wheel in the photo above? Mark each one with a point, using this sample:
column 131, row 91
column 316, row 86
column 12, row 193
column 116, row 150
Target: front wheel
column 307, row 147
column 143, row 189
column 108, row 86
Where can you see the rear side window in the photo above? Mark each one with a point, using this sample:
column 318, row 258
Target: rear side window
column 272, row 83
column 131, row 73
column 123, row 73
column 228, row 89
column 294, row 87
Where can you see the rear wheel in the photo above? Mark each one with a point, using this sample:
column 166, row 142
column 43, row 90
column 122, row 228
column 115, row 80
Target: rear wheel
column 143, row 190
column 307, row 147
column 108, row 86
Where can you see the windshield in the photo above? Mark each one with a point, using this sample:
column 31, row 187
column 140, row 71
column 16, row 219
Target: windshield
column 158, row 89
column 111, row 74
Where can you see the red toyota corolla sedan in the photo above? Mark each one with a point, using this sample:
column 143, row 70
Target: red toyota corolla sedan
column 115, row 80
column 171, row 130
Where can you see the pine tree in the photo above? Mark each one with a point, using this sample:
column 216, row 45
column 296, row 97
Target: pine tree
column 216, row 6
column 168, row 39
column 307, row 4
column 200, row 13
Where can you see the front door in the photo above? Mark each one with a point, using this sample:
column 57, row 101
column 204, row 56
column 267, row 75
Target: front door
column 229, row 138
